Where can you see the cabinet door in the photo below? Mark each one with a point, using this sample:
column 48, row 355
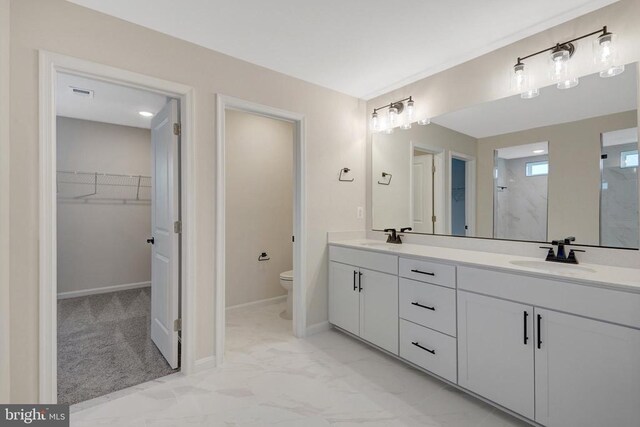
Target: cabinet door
column 587, row 372
column 495, row 351
column 344, row 298
column 379, row 309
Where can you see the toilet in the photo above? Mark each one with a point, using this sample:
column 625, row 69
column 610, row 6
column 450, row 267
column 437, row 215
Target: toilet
column 286, row 280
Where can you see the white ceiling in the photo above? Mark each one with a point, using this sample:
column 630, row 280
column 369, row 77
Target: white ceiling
column 362, row 48
column 111, row 103
column 620, row 137
column 593, row 97
column 526, row 150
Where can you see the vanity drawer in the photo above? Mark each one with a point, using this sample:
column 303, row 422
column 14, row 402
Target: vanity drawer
column 428, row 271
column 429, row 349
column 428, row 305
column 366, row 259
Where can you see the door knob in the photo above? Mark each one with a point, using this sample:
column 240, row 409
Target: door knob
column 151, row 240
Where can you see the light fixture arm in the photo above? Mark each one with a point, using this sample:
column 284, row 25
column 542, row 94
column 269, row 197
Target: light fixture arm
column 568, row 45
column 398, row 105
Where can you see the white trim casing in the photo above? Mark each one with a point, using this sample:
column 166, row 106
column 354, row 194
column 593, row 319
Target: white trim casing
column 102, row 290
column 50, row 64
column 224, row 102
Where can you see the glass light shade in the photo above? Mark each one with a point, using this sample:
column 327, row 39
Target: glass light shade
column 520, row 78
column 560, row 65
column 408, row 113
column 605, row 55
column 568, row 83
column 424, row 121
column 375, row 122
column 528, row 94
column 392, row 117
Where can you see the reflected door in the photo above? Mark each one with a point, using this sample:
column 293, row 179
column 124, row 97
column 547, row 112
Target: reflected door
column 423, row 195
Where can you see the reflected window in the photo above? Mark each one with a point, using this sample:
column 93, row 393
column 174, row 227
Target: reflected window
column 537, row 168
column 629, row 159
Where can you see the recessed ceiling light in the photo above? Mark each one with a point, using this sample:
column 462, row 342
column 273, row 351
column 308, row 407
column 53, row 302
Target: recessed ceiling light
column 145, row 114
column 538, row 151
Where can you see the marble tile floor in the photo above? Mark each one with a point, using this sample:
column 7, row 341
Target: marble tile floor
column 272, row 378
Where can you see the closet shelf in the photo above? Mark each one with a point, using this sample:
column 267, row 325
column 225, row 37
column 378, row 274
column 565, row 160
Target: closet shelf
column 76, row 185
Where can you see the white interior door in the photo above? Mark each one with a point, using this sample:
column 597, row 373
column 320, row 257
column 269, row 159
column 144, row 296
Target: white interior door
column 165, row 284
column 422, row 193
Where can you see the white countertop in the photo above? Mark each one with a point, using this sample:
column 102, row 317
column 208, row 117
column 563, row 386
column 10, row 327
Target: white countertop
column 626, row 279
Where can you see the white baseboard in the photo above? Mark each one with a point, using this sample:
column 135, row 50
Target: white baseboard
column 205, row 363
column 103, row 290
column 316, row 328
column 259, row 303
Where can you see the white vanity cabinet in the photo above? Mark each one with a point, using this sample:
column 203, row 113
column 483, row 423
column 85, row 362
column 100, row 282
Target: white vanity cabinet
column 495, row 351
column 587, row 372
column 559, row 369
column 558, row 351
column 363, row 301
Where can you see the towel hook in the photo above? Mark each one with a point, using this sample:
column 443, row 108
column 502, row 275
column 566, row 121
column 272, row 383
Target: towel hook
column 263, row 257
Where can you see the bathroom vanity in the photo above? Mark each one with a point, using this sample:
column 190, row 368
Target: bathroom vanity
column 556, row 344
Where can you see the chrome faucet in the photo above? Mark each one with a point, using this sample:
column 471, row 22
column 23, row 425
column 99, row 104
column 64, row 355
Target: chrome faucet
column 561, row 256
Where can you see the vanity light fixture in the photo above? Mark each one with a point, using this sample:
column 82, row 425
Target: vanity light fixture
column 399, row 114
column 605, row 56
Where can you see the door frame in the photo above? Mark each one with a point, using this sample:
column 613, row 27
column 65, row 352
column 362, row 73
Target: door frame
column 470, row 191
column 224, row 102
column 439, row 197
column 50, row 64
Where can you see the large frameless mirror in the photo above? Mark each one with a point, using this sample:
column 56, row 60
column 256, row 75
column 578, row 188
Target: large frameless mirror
column 561, row 164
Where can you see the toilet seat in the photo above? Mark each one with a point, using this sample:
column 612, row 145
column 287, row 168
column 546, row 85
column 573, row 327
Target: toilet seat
column 287, row 276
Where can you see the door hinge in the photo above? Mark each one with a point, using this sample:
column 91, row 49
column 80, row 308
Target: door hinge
column 177, row 325
column 177, row 227
column 433, row 218
column 433, row 169
column 177, row 129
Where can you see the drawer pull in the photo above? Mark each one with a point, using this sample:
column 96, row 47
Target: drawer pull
column 423, row 306
column 423, row 272
column 424, row 348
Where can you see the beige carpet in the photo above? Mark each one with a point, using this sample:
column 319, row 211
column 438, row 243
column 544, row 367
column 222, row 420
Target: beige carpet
column 104, row 345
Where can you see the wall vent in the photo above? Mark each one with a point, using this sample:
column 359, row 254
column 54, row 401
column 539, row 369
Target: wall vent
column 86, row 93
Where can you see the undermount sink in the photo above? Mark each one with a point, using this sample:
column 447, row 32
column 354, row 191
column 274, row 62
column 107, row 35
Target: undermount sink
column 552, row 267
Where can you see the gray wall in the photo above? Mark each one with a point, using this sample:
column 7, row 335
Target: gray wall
column 259, row 210
column 102, row 242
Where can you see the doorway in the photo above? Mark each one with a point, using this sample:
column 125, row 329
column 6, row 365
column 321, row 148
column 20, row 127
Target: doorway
column 427, row 189
column 117, row 185
column 169, row 188
column 226, row 104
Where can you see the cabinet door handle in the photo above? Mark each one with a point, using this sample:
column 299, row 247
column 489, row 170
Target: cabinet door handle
column 526, row 336
column 423, row 272
column 424, row 348
column 423, row 306
column 539, row 331
column 355, row 273
column 360, row 282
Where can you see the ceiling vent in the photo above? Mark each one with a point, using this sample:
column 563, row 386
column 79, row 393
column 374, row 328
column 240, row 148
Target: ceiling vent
column 85, row 93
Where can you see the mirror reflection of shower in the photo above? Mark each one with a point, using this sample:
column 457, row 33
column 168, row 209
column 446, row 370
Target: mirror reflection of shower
column 619, row 189
column 520, row 192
